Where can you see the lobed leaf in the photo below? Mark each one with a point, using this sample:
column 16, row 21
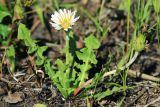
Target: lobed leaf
column 86, row 55
column 4, row 12
column 39, row 53
column 4, row 30
column 108, row 92
column 24, row 34
column 61, row 66
column 92, row 42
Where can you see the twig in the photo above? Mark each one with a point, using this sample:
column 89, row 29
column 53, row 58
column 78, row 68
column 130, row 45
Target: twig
column 35, row 25
column 132, row 102
column 9, row 82
column 152, row 58
column 5, row 80
column 34, row 11
column 3, row 59
column 136, row 74
column 3, row 47
column 54, row 46
column 152, row 102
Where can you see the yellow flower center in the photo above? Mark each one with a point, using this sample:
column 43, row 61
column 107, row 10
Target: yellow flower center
column 65, row 23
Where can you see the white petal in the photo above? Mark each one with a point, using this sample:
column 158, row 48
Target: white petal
column 75, row 19
column 61, row 13
column 73, row 14
column 57, row 15
column 69, row 13
column 55, row 19
column 65, row 13
column 66, row 29
column 52, row 15
column 56, row 26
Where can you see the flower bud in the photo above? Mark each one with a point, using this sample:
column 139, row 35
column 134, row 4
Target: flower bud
column 139, row 43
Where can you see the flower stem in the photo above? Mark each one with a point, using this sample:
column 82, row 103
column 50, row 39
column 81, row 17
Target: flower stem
column 67, row 48
column 67, row 84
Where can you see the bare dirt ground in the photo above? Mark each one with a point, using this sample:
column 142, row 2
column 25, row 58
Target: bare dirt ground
column 30, row 88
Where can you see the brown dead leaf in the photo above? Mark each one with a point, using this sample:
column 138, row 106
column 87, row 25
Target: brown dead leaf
column 2, row 2
column 84, row 2
column 93, row 6
column 13, row 98
column 3, row 89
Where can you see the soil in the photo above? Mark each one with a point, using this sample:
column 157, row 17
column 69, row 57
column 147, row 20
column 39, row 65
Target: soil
column 29, row 87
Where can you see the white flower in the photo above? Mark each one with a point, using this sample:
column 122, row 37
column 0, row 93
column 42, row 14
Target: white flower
column 63, row 19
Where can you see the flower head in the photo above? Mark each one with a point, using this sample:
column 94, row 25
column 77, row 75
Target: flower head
column 63, row 19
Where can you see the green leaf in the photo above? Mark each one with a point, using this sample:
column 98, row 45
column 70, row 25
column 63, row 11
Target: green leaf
column 73, row 77
column 63, row 91
column 140, row 43
column 82, row 66
column 11, row 57
column 4, row 30
column 11, row 51
column 18, row 11
column 108, row 92
column 56, row 4
column 85, row 55
column 92, row 42
column 156, row 5
column 39, row 53
column 123, row 60
column 49, row 69
column 4, row 12
column 104, row 94
column 57, row 77
column 96, row 79
column 61, row 66
column 32, row 49
column 82, row 76
column 93, row 58
column 24, row 34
